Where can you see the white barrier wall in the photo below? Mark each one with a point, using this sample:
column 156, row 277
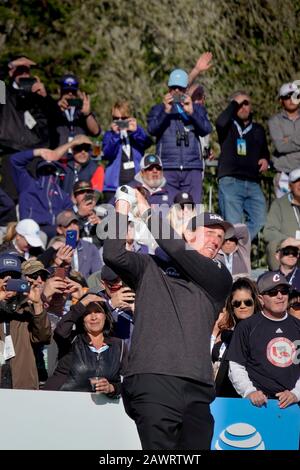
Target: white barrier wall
column 64, row 420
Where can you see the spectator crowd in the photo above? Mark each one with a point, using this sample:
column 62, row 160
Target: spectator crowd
column 76, row 305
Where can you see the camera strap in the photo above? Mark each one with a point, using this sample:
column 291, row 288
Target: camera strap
column 182, row 113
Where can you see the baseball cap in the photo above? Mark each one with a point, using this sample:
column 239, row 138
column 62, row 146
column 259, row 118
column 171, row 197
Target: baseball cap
column 30, row 230
column 150, row 159
column 294, row 175
column 10, row 263
column 82, row 186
column 287, row 88
column 183, row 198
column 64, row 218
column 178, row 78
column 207, row 219
column 32, row 266
column 269, row 280
column 108, row 274
column 69, row 82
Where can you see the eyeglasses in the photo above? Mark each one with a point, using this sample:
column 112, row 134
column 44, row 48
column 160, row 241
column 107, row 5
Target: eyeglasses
column 80, row 148
column 295, row 306
column 274, row 292
column 120, row 118
column 289, row 250
column 246, row 302
column 42, row 274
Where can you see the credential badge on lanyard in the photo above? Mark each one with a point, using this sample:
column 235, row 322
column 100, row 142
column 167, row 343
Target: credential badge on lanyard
column 241, row 145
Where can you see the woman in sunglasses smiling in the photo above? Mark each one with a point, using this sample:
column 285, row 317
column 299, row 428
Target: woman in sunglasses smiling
column 242, row 303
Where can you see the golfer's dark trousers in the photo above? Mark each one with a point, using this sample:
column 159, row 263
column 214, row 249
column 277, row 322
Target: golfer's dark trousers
column 169, row 412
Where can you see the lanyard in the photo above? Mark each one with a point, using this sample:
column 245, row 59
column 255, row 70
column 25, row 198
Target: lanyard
column 70, row 113
column 241, row 131
column 125, row 143
column 228, row 259
column 290, row 281
column 296, row 215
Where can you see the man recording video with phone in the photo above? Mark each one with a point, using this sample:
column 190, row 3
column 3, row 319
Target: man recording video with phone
column 86, row 258
column 85, row 208
column 76, row 116
column 23, row 324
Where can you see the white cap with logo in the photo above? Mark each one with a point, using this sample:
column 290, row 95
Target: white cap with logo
column 30, row 230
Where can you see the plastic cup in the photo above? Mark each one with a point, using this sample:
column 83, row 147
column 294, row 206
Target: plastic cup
column 93, row 381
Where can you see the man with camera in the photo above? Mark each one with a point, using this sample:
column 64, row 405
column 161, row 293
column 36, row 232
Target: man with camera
column 75, row 115
column 26, row 120
column 23, row 324
column 244, row 157
column 87, row 212
column 177, row 124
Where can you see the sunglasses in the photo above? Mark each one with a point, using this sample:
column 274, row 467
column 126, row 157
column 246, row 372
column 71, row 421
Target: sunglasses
column 80, row 148
column 244, row 103
column 295, row 306
column 37, row 274
column 231, row 239
column 238, row 303
column 287, row 97
column 289, row 250
column 274, row 292
column 152, row 167
column 120, row 118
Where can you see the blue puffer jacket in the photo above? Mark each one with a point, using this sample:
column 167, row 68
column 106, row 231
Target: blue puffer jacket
column 112, row 150
column 40, row 197
column 165, row 127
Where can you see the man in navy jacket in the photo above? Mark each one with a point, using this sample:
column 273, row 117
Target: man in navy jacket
column 178, row 123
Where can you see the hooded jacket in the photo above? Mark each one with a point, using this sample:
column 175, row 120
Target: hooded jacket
column 40, row 196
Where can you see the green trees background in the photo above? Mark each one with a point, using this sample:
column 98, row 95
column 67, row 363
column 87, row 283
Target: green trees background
column 126, row 48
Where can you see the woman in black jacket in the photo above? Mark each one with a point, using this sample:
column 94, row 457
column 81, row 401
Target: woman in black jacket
column 96, row 355
column 241, row 303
